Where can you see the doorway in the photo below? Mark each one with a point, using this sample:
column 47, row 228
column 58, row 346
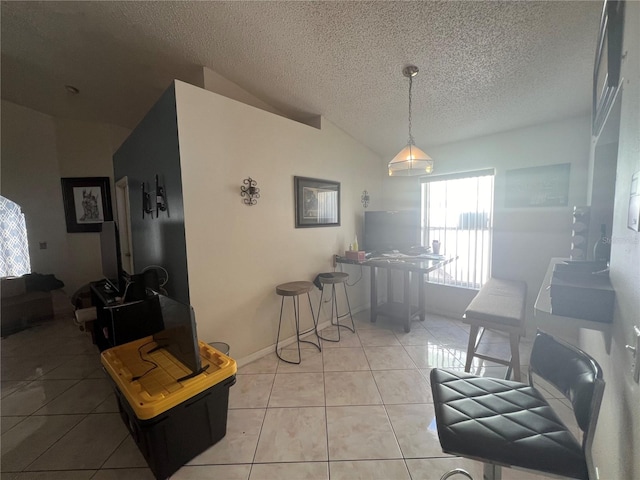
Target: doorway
column 124, row 224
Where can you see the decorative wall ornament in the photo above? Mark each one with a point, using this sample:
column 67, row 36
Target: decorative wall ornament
column 250, row 191
column 365, row 198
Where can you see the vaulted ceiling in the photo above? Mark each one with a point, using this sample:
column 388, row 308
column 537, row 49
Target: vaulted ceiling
column 484, row 66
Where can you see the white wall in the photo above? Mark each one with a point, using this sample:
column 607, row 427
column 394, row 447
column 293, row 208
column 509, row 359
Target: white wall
column 214, row 82
column 31, row 178
column 524, row 238
column 238, row 254
column 38, row 150
column 84, row 150
column 618, row 433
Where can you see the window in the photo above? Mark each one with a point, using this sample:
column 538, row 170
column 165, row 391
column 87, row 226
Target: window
column 457, row 210
column 14, row 247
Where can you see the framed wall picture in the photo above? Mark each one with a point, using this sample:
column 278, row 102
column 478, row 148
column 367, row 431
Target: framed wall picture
column 546, row 186
column 87, row 203
column 606, row 70
column 317, row 202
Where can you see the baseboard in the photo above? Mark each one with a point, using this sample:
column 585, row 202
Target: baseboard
column 285, row 343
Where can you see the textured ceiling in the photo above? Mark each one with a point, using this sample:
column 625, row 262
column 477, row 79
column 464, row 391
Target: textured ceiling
column 484, row 66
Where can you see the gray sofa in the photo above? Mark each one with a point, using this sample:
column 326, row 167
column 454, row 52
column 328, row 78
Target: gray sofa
column 21, row 308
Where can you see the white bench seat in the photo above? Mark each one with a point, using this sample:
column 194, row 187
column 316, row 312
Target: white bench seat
column 499, row 305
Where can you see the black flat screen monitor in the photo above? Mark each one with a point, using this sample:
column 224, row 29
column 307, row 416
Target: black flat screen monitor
column 385, row 231
column 111, row 258
column 137, row 319
column 179, row 336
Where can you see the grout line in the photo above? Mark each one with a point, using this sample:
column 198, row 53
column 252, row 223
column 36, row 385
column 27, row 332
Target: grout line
column 115, row 450
column 56, row 442
column 326, row 417
column 266, row 410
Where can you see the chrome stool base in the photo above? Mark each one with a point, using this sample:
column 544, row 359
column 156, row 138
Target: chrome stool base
column 457, row 471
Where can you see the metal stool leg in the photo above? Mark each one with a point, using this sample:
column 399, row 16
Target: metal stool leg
column 297, row 329
column 296, row 313
column 333, row 301
column 312, row 329
column 491, row 472
column 334, row 308
column 353, row 325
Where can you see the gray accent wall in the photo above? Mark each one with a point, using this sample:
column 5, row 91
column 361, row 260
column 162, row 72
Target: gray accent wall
column 153, row 148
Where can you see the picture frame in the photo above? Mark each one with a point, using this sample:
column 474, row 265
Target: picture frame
column 546, row 186
column 317, row 202
column 87, row 203
column 608, row 62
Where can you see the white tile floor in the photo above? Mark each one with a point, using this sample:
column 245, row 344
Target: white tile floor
column 360, row 409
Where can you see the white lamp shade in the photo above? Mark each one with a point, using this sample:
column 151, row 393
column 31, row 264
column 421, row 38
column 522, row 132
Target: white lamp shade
column 410, row 161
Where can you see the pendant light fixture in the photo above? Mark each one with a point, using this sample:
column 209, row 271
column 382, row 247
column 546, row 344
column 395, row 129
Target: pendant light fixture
column 411, row 160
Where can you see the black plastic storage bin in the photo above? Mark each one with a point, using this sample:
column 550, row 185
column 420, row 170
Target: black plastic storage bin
column 171, row 439
column 172, row 414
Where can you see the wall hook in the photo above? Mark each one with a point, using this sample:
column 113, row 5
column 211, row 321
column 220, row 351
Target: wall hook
column 161, row 203
column 146, row 202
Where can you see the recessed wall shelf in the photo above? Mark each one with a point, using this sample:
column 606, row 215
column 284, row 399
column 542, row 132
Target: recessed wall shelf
column 545, row 319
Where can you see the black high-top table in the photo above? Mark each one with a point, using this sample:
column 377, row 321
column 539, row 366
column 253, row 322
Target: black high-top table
column 414, row 268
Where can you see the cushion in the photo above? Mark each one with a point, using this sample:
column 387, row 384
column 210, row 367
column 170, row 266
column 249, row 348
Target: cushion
column 503, row 422
column 501, row 301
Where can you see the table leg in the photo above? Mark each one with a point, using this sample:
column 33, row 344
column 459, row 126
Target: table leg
column 407, row 300
column 374, row 296
column 421, row 294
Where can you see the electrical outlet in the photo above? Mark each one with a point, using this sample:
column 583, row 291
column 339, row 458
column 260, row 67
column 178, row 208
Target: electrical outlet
column 635, row 351
column 43, row 245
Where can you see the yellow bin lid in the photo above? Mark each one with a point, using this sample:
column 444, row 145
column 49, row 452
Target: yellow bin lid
column 149, row 380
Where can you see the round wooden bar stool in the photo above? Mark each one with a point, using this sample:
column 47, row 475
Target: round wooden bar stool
column 294, row 290
column 333, row 278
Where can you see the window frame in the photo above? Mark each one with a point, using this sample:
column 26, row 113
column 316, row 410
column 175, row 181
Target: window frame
column 450, row 276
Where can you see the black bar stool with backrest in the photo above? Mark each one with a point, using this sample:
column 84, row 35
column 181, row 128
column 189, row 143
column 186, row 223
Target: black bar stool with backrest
column 333, row 278
column 508, row 423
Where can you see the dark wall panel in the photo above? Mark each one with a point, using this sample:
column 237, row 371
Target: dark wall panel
column 152, row 148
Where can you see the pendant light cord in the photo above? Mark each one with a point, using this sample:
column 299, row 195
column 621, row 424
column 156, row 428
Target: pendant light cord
column 411, row 141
